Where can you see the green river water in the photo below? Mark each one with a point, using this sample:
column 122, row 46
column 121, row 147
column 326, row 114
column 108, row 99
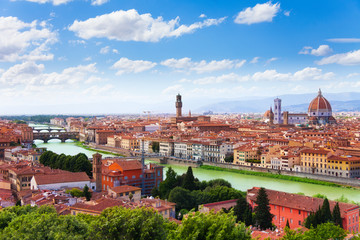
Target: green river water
column 238, row 181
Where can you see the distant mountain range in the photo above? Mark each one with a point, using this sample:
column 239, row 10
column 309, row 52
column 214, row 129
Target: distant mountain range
column 340, row 102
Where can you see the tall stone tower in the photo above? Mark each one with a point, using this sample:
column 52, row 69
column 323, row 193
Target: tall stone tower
column 277, row 111
column 178, row 105
column 97, row 175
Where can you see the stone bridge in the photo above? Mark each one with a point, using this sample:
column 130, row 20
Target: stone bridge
column 63, row 136
column 49, row 129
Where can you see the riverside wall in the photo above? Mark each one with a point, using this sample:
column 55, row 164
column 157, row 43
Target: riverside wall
column 339, row 180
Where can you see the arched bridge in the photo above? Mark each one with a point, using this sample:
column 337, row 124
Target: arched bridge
column 49, row 129
column 63, row 136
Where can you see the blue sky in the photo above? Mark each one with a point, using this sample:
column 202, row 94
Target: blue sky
column 112, row 56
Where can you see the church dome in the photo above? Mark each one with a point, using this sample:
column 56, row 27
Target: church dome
column 319, row 104
column 267, row 114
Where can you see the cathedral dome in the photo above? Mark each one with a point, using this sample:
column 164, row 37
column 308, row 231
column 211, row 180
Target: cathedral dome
column 319, row 105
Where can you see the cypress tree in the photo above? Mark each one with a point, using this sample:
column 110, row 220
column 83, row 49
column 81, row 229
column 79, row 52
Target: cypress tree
column 240, row 208
column 287, row 223
column 336, row 216
column 248, row 217
column 325, row 211
column 189, row 180
column 87, row 193
column 263, row 217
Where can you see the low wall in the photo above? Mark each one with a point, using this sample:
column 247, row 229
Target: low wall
column 181, row 162
column 339, row 180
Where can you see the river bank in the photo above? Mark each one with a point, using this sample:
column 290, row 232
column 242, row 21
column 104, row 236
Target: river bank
column 241, row 182
column 87, row 147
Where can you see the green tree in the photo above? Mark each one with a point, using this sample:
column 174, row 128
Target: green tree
column 121, row 223
column 183, row 199
column 287, row 223
column 168, row 184
column 220, row 226
column 336, row 216
column 87, row 193
column 325, row 231
column 189, row 181
column 325, row 211
column 155, row 147
column 229, row 158
column 263, row 217
column 219, row 182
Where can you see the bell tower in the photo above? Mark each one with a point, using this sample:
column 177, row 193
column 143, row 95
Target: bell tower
column 178, row 105
column 97, row 175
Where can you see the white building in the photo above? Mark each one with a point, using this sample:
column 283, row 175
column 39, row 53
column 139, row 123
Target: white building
column 180, row 150
column 60, row 181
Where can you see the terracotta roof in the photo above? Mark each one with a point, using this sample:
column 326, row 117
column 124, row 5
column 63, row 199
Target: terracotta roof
column 319, row 104
column 61, row 178
column 300, row 202
column 124, row 188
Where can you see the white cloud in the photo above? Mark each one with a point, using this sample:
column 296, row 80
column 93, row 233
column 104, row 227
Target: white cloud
column 322, row 50
column 185, row 64
column 88, row 59
column 98, row 2
column 115, row 51
column 270, row 75
column 349, row 58
column 305, row 74
column 231, row 77
column 271, row 60
column 105, row 50
column 255, row 60
column 98, row 90
column 344, row 40
column 132, row 26
column 125, row 65
column 202, row 16
column 30, row 73
column 350, row 75
column 173, row 89
column 287, row 13
column 260, row 13
column 25, row 41
column 54, row 2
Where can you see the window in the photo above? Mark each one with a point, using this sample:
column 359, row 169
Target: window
column 290, row 210
column 274, row 207
column 291, row 221
column 299, row 212
column 125, row 177
column 282, row 208
column 133, row 176
column 299, row 222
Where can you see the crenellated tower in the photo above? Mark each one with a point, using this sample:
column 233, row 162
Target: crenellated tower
column 178, row 105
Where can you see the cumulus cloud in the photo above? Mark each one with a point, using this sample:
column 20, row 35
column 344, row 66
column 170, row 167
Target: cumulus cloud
column 125, row 65
column 260, row 13
column 25, row 41
column 301, row 75
column 322, row 50
column 54, row 2
column 132, row 26
column 231, row 77
column 344, row 40
column 105, row 50
column 30, row 73
column 349, row 58
column 271, row 60
column 202, row 16
column 98, row 2
column 255, row 60
column 173, row 89
column 186, row 64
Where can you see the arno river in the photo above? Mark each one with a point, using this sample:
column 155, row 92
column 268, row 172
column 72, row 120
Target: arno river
column 239, row 181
